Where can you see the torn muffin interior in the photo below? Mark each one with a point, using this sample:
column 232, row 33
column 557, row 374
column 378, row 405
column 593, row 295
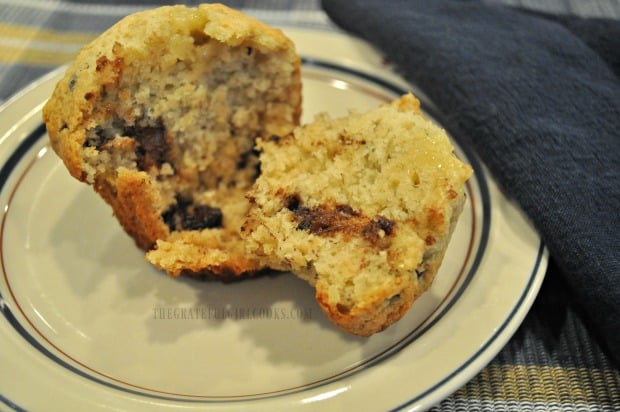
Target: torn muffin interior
column 191, row 126
column 362, row 207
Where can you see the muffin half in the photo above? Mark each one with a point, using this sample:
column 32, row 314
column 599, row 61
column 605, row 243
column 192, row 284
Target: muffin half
column 160, row 115
column 362, row 207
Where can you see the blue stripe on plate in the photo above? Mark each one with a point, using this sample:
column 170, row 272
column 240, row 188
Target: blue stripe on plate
column 11, row 404
column 485, row 347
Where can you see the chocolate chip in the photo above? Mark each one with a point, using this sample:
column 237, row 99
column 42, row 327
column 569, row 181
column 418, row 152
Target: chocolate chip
column 169, row 217
column 305, row 224
column 377, row 224
column 342, row 219
column 322, row 220
column 185, row 215
column 153, row 146
column 202, row 217
column 292, row 202
column 152, row 150
column 274, row 138
column 314, row 221
column 385, row 224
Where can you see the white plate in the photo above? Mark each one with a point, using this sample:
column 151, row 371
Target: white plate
column 87, row 324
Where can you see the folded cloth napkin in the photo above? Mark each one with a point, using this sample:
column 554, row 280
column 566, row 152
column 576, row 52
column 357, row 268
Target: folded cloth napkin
column 538, row 99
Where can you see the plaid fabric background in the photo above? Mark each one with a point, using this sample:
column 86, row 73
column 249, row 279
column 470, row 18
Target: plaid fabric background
column 553, row 362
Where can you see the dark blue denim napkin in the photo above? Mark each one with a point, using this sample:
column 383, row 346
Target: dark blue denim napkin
column 538, row 99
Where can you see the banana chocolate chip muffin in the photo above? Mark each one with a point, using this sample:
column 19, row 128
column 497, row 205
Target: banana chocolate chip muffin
column 362, row 207
column 160, row 115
